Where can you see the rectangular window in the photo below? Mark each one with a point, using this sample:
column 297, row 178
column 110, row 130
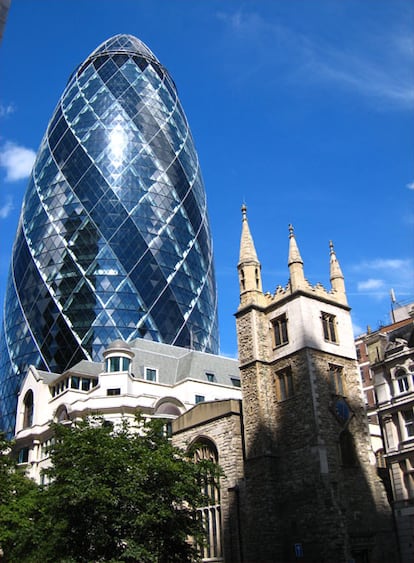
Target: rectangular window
column 284, row 384
column 150, row 374
column 329, row 327
column 111, row 392
column 199, row 399
column 74, row 382
column 114, row 364
column 23, row 456
column 408, row 416
column 280, row 332
column 336, row 379
column 403, row 384
column 86, row 384
column 210, row 377
column 402, row 380
column 235, row 381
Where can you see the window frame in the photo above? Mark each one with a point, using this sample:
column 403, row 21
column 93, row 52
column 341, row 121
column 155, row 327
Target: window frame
column 280, row 331
column 285, row 388
column 154, row 371
column 23, row 455
column 337, row 379
column 28, row 414
column 210, row 513
column 408, row 422
column 329, row 327
column 402, row 381
column 117, row 364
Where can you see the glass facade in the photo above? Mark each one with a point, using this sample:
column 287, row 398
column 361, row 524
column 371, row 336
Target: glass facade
column 114, row 238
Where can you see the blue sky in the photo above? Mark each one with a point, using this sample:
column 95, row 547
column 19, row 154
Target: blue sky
column 302, row 109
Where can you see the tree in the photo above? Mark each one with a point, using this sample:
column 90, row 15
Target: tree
column 121, row 494
column 19, row 504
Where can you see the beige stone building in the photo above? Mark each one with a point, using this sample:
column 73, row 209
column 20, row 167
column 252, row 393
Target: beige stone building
column 159, row 380
column 300, row 480
column 391, row 358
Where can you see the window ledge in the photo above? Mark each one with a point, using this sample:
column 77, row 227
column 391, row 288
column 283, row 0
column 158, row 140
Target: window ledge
column 279, row 346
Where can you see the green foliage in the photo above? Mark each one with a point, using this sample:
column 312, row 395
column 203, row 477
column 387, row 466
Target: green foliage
column 19, row 503
column 123, row 494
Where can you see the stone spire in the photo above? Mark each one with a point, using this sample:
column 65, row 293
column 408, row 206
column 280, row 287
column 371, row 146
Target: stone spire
column 249, row 267
column 336, row 275
column 295, row 263
column 247, row 249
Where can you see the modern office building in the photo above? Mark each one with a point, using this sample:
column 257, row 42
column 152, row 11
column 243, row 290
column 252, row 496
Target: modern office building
column 114, row 239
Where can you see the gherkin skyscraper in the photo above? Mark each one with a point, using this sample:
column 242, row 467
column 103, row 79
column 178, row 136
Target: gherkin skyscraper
column 114, row 238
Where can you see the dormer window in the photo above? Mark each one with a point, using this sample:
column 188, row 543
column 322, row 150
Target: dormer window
column 74, row 382
column 151, row 374
column 117, row 363
column 118, row 357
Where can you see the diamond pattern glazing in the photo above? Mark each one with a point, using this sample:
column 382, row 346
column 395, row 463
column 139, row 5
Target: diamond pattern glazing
column 114, row 239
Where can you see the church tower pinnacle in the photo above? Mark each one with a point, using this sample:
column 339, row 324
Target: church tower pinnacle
column 249, row 267
column 295, row 263
column 336, row 275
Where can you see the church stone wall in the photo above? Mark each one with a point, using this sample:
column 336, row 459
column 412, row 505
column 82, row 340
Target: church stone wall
column 220, row 422
column 302, row 495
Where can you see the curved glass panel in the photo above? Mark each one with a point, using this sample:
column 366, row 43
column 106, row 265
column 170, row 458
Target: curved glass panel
column 114, row 240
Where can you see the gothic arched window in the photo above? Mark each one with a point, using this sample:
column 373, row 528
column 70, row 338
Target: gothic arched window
column 61, row 414
column 28, row 409
column 210, row 514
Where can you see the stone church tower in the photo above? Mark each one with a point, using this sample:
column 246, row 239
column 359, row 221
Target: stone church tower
column 312, row 491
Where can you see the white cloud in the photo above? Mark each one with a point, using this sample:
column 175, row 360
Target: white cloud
column 379, row 275
column 374, row 63
column 384, row 264
column 7, row 208
column 17, row 161
column 410, row 186
column 6, row 110
column 370, row 284
column 365, row 77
